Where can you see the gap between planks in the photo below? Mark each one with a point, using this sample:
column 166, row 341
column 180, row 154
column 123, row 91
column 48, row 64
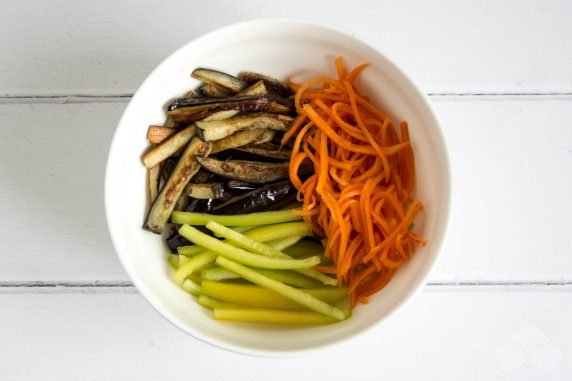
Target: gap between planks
column 120, row 98
column 126, row 287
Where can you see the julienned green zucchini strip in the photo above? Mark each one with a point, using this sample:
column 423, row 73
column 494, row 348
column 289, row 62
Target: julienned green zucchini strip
column 286, row 276
column 192, row 250
column 247, row 242
column 284, row 243
column 243, row 241
column 243, row 256
column 261, row 218
column 192, row 265
column 289, row 292
column 261, row 234
column 279, row 231
column 272, row 316
column 192, row 287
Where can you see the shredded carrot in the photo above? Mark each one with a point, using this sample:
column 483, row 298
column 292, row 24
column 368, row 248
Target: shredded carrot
column 360, row 196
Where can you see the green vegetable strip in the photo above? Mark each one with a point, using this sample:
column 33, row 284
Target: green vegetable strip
column 248, row 242
column 243, row 256
column 192, row 287
column 218, row 274
column 243, row 229
column 291, row 278
column 284, row 243
column 304, row 248
column 289, row 292
column 193, row 264
column 208, row 302
column 190, row 251
column 173, row 260
column 283, row 232
column 183, row 260
column 279, row 231
column 243, row 241
column 315, row 274
column 262, row 218
column 261, row 315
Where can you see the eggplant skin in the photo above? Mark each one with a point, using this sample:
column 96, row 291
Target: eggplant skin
column 272, row 84
column 175, row 240
column 245, row 170
column 266, row 152
column 258, row 200
column 185, row 110
column 210, row 90
column 220, row 79
column 241, row 185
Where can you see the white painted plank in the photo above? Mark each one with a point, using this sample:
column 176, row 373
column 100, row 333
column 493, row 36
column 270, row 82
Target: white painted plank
column 467, row 335
column 512, row 170
column 108, row 47
column 52, row 161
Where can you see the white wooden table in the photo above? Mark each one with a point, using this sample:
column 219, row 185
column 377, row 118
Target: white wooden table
column 499, row 304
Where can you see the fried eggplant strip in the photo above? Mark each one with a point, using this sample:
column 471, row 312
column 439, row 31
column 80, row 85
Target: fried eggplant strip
column 224, row 80
column 192, row 109
column 219, row 129
column 168, row 147
column 246, row 170
column 242, row 138
column 173, row 188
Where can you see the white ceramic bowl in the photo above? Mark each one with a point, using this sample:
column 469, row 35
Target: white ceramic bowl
column 280, row 48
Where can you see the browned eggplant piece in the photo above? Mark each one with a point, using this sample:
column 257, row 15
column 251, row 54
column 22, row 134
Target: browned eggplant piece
column 220, row 115
column 226, row 81
column 266, row 150
column 211, row 191
column 153, row 180
column 192, row 109
column 202, row 176
column 241, row 185
column 272, row 84
column 192, row 94
column 245, row 170
column 219, row 129
column 167, row 167
column 173, row 188
column 182, row 203
column 258, row 88
column 210, row 90
column 169, row 122
column 258, row 200
column 156, row 134
column 242, row 138
column 168, row 147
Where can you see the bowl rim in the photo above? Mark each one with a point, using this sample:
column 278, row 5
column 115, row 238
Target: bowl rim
column 287, row 353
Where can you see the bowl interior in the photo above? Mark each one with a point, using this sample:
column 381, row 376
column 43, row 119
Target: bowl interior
column 280, row 48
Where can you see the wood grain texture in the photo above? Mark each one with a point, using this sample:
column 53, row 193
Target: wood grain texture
column 467, row 335
column 109, row 47
column 511, row 216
